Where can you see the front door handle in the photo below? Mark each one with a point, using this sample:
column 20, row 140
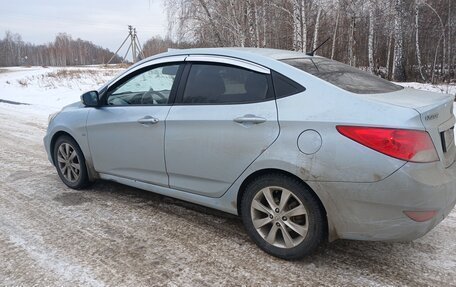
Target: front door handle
column 148, row 120
column 249, row 119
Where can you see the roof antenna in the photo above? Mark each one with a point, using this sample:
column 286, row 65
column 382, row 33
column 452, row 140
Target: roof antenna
column 313, row 52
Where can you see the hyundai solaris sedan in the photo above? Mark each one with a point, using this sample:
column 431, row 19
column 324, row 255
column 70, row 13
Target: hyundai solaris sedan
column 304, row 149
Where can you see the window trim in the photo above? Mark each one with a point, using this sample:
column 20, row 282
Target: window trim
column 126, row 78
column 229, row 61
column 186, row 72
column 298, row 86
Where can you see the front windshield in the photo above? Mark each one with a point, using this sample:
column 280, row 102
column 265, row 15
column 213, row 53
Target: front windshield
column 344, row 76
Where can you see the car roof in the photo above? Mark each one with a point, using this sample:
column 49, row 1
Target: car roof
column 275, row 54
column 259, row 55
column 266, row 57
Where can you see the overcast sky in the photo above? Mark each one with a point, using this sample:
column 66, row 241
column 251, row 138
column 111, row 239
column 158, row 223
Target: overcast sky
column 103, row 22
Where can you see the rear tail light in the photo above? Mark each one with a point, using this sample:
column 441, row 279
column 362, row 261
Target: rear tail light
column 408, row 145
column 421, row 216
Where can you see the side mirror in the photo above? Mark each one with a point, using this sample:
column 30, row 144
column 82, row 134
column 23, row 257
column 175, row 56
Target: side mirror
column 90, row 99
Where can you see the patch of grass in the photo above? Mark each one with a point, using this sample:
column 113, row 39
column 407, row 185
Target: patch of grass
column 23, row 82
column 76, row 74
column 74, row 78
column 69, row 74
column 117, row 66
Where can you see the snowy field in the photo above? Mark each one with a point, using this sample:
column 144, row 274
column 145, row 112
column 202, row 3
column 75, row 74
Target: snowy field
column 113, row 235
column 49, row 89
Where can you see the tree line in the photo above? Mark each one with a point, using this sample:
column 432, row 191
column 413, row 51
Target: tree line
column 63, row 51
column 398, row 39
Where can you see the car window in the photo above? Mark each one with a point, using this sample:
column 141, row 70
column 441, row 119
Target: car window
column 150, row 87
column 216, row 84
column 344, row 76
column 284, row 87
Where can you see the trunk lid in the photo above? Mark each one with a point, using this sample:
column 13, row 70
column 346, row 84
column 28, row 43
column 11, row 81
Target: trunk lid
column 436, row 112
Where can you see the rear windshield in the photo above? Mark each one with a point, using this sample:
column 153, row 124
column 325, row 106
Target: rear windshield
column 343, row 76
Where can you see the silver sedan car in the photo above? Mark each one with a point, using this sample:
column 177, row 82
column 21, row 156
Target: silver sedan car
column 303, row 148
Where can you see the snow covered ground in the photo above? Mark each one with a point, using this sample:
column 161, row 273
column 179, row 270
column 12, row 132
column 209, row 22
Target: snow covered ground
column 49, row 89
column 441, row 88
column 113, row 235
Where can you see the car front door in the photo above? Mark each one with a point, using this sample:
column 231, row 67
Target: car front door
column 126, row 134
column 224, row 117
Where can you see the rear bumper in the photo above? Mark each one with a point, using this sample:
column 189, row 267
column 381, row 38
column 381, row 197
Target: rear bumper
column 375, row 211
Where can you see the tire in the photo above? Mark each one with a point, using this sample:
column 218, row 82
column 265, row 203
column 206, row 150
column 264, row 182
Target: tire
column 291, row 233
column 70, row 163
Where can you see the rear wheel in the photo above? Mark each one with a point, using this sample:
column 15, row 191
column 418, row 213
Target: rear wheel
column 282, row 216
column 70, row 163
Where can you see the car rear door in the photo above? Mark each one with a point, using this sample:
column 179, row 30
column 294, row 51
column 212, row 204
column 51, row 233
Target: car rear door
column 126, row 135
column 224, row 117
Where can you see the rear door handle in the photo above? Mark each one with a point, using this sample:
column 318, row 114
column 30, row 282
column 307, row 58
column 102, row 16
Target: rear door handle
column 249, row 119
column 148, row 120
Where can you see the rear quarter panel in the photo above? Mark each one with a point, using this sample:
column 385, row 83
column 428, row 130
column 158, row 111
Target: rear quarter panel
column 322, row 108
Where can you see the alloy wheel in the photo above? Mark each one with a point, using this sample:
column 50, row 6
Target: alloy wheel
column 279, row 217
column 68, row 162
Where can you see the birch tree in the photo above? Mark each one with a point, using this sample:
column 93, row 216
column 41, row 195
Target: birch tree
column 451, row 23
column 399, row 56
column 333, row 47
column 371, row 38
column 417, row 39
column 214, row 27
column 299, row 25
column 316, row 29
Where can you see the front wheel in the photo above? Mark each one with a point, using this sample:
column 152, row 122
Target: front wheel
column 282, row 216
column 70, row 163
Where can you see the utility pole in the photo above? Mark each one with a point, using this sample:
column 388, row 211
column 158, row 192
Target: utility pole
column 134, row 46
column 133, row 42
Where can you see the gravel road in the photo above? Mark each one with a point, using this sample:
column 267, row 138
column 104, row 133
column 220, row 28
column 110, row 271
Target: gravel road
column 113, row 235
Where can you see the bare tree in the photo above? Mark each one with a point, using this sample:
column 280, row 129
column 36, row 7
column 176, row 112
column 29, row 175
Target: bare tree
column 417, row 39
column 450, row 26
column 63, row 51
column 441, row 38
column 371, row 38
column 399, row 56
column 299, row 25
column 317, row 27
column 211, row 21
column 333, row 47
column 381, row 36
